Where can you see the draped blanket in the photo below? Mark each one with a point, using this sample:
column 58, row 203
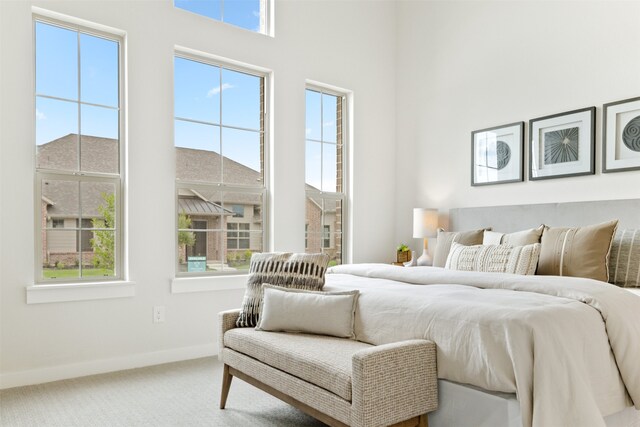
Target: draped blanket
column 568, row 347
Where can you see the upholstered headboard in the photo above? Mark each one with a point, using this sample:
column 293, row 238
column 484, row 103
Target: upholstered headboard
column 518, row 217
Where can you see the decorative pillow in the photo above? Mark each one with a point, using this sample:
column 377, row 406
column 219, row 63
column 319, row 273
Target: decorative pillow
column 301, row 271
column 445, row 238
column 624, row 261
column 494, row 258
column 518, row 238
column 578, row 252
column 311, row 312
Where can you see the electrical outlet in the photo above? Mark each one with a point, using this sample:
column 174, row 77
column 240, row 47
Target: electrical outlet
column 158, row 314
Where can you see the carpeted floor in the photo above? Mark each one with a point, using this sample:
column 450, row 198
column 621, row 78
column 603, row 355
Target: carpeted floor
column 175, row 394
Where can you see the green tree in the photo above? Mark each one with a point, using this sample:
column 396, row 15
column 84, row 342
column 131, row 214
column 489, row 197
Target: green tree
column 185, row 238
column 103, row 241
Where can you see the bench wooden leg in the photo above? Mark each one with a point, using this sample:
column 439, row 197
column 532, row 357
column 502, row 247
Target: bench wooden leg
column 420, row 421
column 226, row 384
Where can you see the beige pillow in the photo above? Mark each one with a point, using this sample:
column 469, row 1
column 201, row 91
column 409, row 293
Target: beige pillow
column 494, row 258
column 578, row 252
column 445, row 238
column 311, row 312
column 518, row 238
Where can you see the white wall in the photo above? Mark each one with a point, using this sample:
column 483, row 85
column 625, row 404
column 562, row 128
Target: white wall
column 464, row 66
column 342, row 43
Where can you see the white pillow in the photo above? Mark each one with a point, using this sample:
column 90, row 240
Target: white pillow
column 518, row 238
column 312, row 312
column 494, row 258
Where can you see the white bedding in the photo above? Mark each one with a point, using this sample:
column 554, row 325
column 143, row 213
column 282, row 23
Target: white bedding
column 468, row 406
column 568, row 347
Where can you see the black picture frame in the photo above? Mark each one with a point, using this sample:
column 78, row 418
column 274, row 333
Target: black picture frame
column 619, row 146
column 497, row 161
column 563, row 145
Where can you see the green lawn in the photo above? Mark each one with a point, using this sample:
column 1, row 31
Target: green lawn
column 54, row 273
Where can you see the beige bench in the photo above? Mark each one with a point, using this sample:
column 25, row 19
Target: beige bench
column 340, row 382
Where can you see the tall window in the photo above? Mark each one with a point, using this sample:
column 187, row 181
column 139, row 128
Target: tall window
column 219, row 146
column 248, row 14
column 324, row 173
column 78, row 172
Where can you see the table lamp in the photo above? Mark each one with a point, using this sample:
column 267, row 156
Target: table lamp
column 425, row 224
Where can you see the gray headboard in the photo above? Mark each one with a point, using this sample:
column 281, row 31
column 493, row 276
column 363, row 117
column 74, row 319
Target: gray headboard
column 518, row 217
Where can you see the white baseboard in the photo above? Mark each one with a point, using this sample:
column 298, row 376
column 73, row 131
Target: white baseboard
column 101, row 366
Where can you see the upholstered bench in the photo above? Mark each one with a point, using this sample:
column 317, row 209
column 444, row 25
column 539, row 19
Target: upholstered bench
column 339, row 381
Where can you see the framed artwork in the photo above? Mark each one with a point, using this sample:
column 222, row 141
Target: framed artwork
column 497, row 154
column 562, row 144
column 621, row 136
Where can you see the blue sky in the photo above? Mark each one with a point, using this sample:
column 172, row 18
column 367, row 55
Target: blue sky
column 198, row 90
column 57, row 76
column 321, row 135
column 242, row 13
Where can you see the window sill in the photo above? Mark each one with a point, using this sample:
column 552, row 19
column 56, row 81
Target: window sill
column 181, row 285
column 39, row 294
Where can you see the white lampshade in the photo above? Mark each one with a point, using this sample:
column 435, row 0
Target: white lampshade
column 425, row 222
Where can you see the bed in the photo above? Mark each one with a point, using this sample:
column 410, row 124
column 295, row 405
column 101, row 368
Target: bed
column 514, row 350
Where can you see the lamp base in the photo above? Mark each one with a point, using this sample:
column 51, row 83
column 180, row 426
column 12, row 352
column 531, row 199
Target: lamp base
column 412, row 261
column 425, row 259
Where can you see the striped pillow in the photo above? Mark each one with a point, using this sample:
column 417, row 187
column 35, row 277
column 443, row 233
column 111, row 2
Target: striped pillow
column 624, row 261
column 297, row 271
column 445, row 238
column 494, row 258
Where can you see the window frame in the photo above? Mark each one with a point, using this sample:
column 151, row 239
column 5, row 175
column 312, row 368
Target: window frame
column 222, row 187
column 266, row 17
column 239, row 238
column 117, row 180
column 343, row 196
column 326, row 236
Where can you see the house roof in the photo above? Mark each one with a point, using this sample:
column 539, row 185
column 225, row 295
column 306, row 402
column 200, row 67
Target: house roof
column 97, row 154
column 192, row 202
column 101, row 155
column 197, row 206
column 66, row 198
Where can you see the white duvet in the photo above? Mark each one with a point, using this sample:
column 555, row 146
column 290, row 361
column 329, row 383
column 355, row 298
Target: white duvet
column 568, row 347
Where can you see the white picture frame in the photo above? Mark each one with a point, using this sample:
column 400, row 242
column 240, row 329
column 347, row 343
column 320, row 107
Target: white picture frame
column 621, row 136
column 497, row 155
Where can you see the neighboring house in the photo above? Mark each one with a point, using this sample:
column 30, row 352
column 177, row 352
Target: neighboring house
column 62, row 200
column 240, row 214
column 321, row 237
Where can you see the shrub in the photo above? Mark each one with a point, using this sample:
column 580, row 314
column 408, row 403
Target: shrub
column 103, row 242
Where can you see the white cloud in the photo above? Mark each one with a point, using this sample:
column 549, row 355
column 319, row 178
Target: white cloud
column 40, row 115
column 331, row 123
column 308, row 131
column 256, row 13
column 216, row 90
